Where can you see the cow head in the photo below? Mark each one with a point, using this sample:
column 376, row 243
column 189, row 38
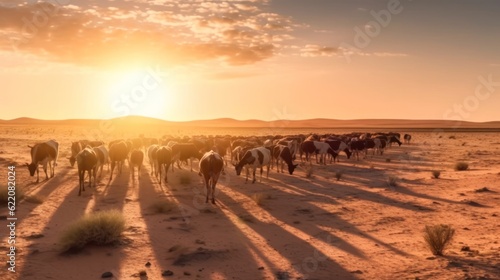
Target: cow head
column 72, row 160
column 31, row 168
column 238, row 168
column 291, row 168
column 348, row 153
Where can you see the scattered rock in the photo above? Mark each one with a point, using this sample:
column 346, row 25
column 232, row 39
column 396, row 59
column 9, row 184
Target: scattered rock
column 462, row 194
column 107, row 275
column 167, row 273
column 261, row 268
column 357, row 272
column 187, row 273
column 148, row 264
column 430, row 258
column 465, row 249
column 466, row 228
column 282, row 275
column 143, row 273
column 494, row 215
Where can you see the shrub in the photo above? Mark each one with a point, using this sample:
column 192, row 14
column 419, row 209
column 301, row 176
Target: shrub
column 338, row 175
column 436, row 174
column 461, row 166
column 438, row 237
column 163, row 206
column 260, row 197
column 392, row 181
column 99, row 228
column 309, row 171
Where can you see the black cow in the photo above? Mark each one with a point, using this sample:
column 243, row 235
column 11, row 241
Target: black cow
column 86, row 160
column 184, row 152
column 357, row 146
column 281, row 153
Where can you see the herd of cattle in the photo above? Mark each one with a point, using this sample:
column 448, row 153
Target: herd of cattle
column 211, row 152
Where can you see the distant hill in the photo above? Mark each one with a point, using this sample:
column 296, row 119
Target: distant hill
column 228, row 122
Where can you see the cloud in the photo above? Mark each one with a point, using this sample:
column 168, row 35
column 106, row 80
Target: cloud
column 315, row 51
column 138, row 32
column 325, row 51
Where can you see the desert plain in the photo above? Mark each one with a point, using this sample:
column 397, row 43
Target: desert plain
column 309, row 225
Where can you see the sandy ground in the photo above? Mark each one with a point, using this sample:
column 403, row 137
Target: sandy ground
column 304, row 228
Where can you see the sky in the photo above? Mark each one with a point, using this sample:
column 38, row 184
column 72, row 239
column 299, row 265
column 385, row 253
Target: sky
column 183, row 60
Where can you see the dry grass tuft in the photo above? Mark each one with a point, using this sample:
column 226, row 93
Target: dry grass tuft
column 438, row 237
column 163, row 206
column 461, row 166
column 436, row 174
column 99, row 228
column 338, row 175
column 309, row 171
column 259, row 198
column 392, row 181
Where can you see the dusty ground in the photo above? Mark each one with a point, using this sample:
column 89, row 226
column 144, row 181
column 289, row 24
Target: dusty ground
column 305, row 228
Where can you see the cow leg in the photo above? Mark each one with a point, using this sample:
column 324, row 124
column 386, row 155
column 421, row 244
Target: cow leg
column 247, row 172
column 112, row 169
column 207, row 186
column 45, row 170
column 215, row 178
column 254, row 169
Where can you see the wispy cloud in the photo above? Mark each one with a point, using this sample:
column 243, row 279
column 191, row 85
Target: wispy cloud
column 144, row 32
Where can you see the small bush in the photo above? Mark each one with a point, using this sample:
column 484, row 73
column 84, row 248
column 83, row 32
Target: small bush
column 461, row 166
column 4, row 194
column 185, row 179
column 163, row 206
column 438, row 237
column 392, row 181
column 259, row 198
column 100, row 228
column 338, row 175
column 36, row 199
column 309, row 171
column 436, row 174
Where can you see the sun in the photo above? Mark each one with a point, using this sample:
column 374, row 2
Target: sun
column 140, row 92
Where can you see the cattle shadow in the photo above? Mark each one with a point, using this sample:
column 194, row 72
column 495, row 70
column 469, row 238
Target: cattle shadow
column 298, row 251
column 335, row 191
column 182, row 228
column 70, row 209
